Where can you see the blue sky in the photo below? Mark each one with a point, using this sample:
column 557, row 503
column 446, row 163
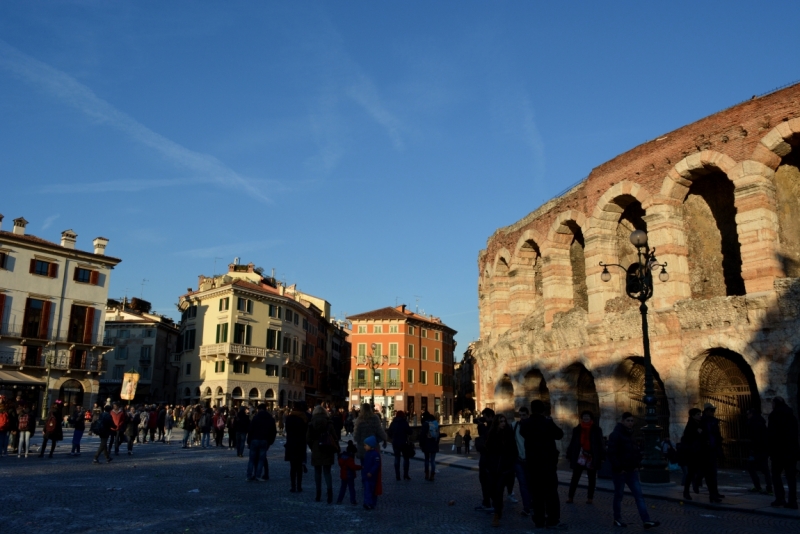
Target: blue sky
column 365, row 150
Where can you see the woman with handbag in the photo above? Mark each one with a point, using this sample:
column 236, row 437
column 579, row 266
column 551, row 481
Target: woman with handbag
column 585, row 452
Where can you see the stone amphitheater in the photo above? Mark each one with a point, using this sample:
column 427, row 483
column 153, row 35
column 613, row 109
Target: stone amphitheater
column 720, row 202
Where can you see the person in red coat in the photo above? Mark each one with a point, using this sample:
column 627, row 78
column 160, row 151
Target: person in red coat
column 347, row 472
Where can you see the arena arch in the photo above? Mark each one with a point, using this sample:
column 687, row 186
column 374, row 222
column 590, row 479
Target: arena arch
column 499, row 296
column 564, row 268
column 630, row 376
column 504, row 394
column 525, row 278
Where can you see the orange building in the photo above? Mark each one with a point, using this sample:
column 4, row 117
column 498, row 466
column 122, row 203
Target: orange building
column 404, row 359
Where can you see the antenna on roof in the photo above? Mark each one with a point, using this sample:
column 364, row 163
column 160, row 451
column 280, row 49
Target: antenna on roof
column 141, row 295
column 214, row 273
column 416, row 308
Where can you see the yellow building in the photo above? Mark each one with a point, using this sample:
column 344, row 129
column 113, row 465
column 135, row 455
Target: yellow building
column 245, row 338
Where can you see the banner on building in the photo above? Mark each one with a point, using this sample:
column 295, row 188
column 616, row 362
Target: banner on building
column 129, row 382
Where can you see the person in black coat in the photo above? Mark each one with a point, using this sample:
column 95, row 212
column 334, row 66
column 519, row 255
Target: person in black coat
column 241, row 428
column 585, row 451
column 260, row 438
column 711, row 450
column 541, row 460
column 758, row 461
column 296, row 427
column 691, row 450
column 626, row 459
column 484, row 422
column 398, row 432
column 429, row 445
column 501, row 455
column 783, row 451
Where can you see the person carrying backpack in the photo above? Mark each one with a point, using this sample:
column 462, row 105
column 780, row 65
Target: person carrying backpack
column 398, row 432
column 204, row 424
column 52, row 430
column 187, row 425
column 103, row 427
column 218, row 423
column 429, row 443
column 77, row 422
column 26, row 426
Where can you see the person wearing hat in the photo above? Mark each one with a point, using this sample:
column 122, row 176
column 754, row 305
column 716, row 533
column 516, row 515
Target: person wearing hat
column 371, row 473
column 711, row 451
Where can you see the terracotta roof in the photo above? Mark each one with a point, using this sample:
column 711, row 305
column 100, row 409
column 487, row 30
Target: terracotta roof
column 39, row 241
column 397, row 314
column 256, row 287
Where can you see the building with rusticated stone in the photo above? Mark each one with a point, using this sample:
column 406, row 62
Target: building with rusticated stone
column 720, row 201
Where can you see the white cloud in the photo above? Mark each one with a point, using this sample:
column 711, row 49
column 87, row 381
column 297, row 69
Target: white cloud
column 48, row 222
column 70, row 91
column 363, row 91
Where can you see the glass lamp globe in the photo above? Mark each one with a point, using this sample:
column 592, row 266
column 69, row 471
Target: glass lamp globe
column 605, row 276
column 638, row 238
column 663, row 275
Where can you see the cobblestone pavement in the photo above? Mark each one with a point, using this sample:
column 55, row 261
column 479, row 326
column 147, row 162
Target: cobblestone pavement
column 166, row 489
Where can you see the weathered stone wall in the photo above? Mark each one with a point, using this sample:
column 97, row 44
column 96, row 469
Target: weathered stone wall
column 720, row 202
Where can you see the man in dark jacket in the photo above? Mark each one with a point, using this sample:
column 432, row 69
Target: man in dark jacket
column 541, row 460
column 625, row 459
column 759, row 452
column 259, row 438
column 161, row 421
column 783, row 451
column 106, row 426
column 484, row 422
column 398, row 432
column 711, row 450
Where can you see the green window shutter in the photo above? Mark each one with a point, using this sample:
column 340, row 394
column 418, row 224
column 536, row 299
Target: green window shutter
column 248, row 334
column 218, row 332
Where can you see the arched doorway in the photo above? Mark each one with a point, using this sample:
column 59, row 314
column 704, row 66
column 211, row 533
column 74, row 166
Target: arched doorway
column 219, row 398
column 254, row 396
column 727, row 382
column 282, row 398
column 270, row 397
column 586, row 393
column 504, row 394
column 237, row 396
column 71, row 394
column 636, row 396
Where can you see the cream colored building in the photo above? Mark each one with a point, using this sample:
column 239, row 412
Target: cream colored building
column 52, row 311
column 243, row 339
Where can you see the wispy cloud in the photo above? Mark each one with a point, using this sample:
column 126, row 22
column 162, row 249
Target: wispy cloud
column 363, row 91
column 48, row 222
column 228, row 250
column 70, row 91
column 533, row 138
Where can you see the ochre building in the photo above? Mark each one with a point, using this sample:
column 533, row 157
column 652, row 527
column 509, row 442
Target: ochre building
column 720, row 201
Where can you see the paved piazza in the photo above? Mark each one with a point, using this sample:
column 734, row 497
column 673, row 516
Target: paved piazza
column 166, row 489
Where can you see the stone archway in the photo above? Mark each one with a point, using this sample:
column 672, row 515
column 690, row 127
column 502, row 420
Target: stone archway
column 586, row 391
column 504, row 394
column 71, row 394
column 631, row 371
column 535, row 387
column 727, row 382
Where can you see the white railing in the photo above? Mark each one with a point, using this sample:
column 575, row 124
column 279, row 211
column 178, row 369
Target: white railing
column 235, row 348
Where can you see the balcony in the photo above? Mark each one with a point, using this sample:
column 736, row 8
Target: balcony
column 64, row 361
column 236, row 352
column 379, row 384
column 31, row 331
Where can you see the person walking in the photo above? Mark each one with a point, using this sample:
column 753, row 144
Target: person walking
column 169, row 424
column 458, row 440
column 783, row 452
column 161, row 423
column 103, row 427
column 347, row 473
column 541, row 460
column 188, row 427
column 204, row 425
column 324, row 444
column 429, row 443
column 371, row 473
column 152, row 423
column 52, row 430
column 501, row 456
column 26, row 426
column 120, row 422
column 218, row 424
column 519, row 464
column 399, row 431
column 691, row 451
column 626, row 459
column 260, row 437
column 585, row 452
column 79, row 426
column 467, row 441
column 242, row 427
column 132, row 428
column 295, row 427
column 6, row 425
column 484, row 422
column 711, row 450
column 758, row 461
column 230, row 423
column 367, row 424
column 144, row 419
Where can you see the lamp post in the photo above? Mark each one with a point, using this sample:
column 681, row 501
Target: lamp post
column 374, row 363
column 49, row 359
column 639, row 286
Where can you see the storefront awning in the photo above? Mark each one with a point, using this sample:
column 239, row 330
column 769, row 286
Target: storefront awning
column 18, row 377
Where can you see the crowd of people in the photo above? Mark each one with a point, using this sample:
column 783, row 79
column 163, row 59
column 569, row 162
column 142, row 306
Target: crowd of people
column 522, row 450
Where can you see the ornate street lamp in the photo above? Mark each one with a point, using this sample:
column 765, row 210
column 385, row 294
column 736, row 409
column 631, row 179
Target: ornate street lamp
column 639, row 286
column 374, row 363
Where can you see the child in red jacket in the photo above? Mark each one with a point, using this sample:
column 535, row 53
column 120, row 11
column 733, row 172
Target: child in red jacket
column 347, row 472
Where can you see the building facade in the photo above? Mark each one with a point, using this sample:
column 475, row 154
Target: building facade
column 413, row 358
column 144, row 342
column 244, row 338
column 720, row 202
column 52, row 308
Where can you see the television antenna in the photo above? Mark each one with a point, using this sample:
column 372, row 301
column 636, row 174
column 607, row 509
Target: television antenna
column 141, row 295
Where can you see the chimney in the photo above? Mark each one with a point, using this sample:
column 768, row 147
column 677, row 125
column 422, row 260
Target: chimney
column 404, row 308
column 1, row 222
column 100, row 245
column 68, row 238
column 19, row 225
